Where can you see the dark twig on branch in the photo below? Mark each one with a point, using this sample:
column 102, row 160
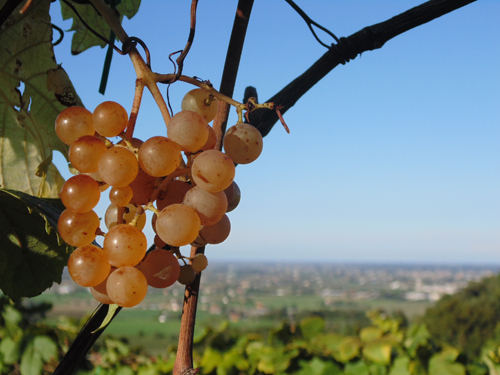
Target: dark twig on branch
column 367, row 39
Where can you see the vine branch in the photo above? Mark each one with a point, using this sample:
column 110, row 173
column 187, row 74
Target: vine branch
column 367, row 39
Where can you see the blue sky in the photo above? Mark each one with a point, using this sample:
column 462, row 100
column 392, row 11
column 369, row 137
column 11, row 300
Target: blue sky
column 394, row 157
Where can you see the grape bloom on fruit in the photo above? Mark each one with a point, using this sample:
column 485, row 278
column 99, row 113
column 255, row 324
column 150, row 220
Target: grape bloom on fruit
column 182, row 177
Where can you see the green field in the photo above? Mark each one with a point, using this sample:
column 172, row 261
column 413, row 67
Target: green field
column 155, row 329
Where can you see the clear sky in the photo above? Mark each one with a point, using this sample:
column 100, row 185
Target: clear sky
column 394, row 157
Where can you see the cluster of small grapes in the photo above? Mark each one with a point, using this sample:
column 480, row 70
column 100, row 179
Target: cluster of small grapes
column 189, row 195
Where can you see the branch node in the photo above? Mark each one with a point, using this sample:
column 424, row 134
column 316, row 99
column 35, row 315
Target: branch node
column 345, row 50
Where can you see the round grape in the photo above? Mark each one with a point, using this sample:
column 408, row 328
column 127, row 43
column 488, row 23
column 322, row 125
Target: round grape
column 161, row 268
column 233, row 195
column 85, row 153
column 118, row 166
column 199, row 262
column 125, row 245
column 80, row 193
column 217, row 233
column 186, row 275
column 178, row 225
column 73, row 123
column 199, row 101
column 88, row 265
column 110, row 119
column 189, row 130
column 159, row 156
column 243, row 143
column 209, row 206
column 127, row 286
column 78, row 229
column 121, row 196
column 213, row 171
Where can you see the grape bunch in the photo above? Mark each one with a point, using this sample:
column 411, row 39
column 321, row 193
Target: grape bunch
column 181, row 177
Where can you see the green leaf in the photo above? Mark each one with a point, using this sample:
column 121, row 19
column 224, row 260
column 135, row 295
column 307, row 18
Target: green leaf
column 356, row 368
column 370, row 334
column 348, row 349
column 316, row 366
column 109, row 316
column 46, row 347
column 234, row 358
column 124, row 370
column 312, row 326
column 31, row 361
column 377, row 369
column 417, row 336
column 10, row 350
column 83, row 38
column 33, row 252
column 210, row 360
column 444, row 363
column 400, row 366
column 378, row 352
column 27, row 131
column 269, row 359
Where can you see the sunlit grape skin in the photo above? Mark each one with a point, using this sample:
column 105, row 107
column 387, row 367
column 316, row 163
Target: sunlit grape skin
column 72, row 123
column 127, row 286
column 161, row 268
column 80, row 193
column 213, row 171
column 118, row 166
column 196, row 101
column 110, row 119
column 78, row 229
column 125, row 245
column 159, row 156
column 85, row 152
column 88, row 265
column 178, row 225
column 121, row 196
column 243, row 143
column 189, row 130
column 209, row 206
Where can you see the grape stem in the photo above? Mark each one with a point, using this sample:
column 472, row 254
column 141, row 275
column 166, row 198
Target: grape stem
column 147, row 78
column 144, row 74
column 139, row 90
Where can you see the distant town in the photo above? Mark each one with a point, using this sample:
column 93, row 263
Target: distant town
column 239, row 290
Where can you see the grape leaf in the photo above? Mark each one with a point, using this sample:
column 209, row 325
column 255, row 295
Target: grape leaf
column 27, row 134
column 83, row 39
column 109, row 317
column 33, row 254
